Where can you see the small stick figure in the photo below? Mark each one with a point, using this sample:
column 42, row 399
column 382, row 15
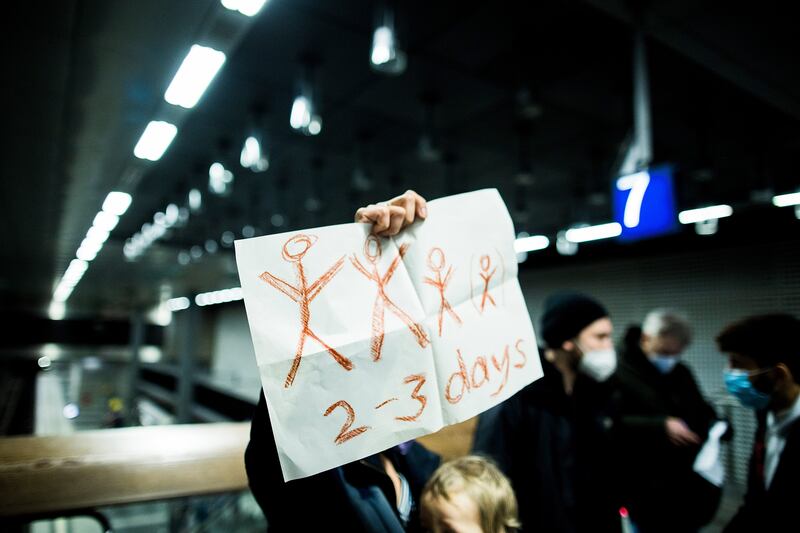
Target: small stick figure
column 436, row 263
column 486, row 262
column 293, row 251
column 372, row 251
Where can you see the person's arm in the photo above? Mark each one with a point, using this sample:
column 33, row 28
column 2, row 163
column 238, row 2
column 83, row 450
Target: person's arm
column 283, row 503
column 388, row 218
column 632, row 425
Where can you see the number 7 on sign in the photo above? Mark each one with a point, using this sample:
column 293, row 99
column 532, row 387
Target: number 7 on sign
column 637, row 184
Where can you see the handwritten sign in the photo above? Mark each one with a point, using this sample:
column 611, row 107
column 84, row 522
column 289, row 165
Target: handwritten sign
column 363, row 343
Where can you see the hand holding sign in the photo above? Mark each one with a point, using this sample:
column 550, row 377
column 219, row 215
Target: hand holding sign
column 408, row 334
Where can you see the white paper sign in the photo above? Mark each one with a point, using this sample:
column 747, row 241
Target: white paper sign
column 708, row 462
column 363, row 343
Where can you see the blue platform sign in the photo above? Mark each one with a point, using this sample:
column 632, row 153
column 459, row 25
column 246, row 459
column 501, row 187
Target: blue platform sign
column 644, row 203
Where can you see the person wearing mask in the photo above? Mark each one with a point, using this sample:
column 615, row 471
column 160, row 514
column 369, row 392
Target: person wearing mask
column 552, row 438
column 663, row 420
column 378, row 494
column 764, row 374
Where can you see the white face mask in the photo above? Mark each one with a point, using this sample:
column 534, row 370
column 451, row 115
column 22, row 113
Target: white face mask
column 664, row 363
column 598, row 364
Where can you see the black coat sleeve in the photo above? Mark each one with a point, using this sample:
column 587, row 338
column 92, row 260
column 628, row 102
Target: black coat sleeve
column 285, row 505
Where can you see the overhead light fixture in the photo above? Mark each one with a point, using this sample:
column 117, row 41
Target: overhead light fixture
column 218, row 297
column 304, row 116
column 315, row 126
column 531, row 243
column 105, row 221
column 97, row 235
column 386, row 56
column 155, row 140
column 56, row 311
column 248, row 8
column 702, row 214
column 194, row 75
column 593, row 233
column 85, row 254
column 252, row 155
column 563, row 246
column 117, row 203
column 219, row 179
column 171, row 215
column 195, row 200
column 706, row 227
column 786, row 200
column 179, row 304
column 62, row 292
column 91, row 245
column 300, row 116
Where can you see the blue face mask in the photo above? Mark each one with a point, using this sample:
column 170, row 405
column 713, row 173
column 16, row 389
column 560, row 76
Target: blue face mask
column 664, row 363
column 738, row 383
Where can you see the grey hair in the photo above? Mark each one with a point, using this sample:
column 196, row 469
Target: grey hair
column 667, row 323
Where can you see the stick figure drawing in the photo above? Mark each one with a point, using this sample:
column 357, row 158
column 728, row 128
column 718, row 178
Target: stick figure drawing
column 436, row 262
column 372, row 252
column 293, row 251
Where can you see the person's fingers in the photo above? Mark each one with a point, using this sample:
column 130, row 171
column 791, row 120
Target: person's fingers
column 377, row 215
column 390, row 217
column 420, row 204
column 409, row 207
column 415, row 206
column 396, row 220
column 362, row 214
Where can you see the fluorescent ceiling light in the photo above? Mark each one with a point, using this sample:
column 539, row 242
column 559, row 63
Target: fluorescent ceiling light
column 784, row 200
column 97, row 235
column 300, row 116
column 251, row 156
column 245, row 7
column 195, row 200
column 155, row 140
column 91, row 245
column 77, row 265
column 704, row 213
column 217, row 297
column 178, row 304
column 85, row 255
column 383, row 49
column 105, row 221
column 194, row 75
column 315, row 126
column 593, row 233
column 56, row 311
column 62, row 293
column 117, row 203
column 531, row 244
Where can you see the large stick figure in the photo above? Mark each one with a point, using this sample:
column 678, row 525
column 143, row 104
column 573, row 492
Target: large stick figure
column 372, row 251
column 436, row 264
column 486, row 276
column 293, row 251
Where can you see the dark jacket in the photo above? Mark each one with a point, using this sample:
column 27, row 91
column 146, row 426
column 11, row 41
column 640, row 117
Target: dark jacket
column 554, row 448
column 773, row 509
column 357, row 497
column 658, row 483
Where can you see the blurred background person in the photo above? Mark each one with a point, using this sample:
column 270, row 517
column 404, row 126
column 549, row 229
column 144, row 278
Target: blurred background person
column 764, row 365
column 552, row 438
column 663, row 422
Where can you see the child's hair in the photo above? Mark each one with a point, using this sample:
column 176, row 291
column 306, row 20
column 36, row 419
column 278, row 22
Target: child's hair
column 482, row 481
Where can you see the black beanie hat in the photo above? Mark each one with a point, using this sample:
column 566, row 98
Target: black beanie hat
column 566, row 314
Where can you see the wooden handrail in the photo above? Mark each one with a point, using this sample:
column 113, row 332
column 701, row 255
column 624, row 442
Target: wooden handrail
column 45, row 475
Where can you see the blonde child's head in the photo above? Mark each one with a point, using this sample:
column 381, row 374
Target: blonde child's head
column 469, row 495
